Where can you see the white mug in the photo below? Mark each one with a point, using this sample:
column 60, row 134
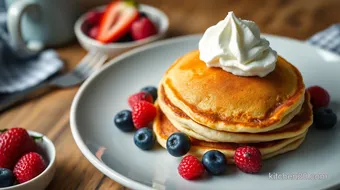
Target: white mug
column 34, row 24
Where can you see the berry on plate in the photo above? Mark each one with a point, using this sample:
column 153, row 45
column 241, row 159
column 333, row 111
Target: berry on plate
column 14, row 143
column 144, row 138
column 28, row 167
column 151, row 90
column 319, row 97
column 248, row 159
column 324, row 118
column 178, row 144
column 190, row 168
column 123, row 121
column 214, row 162
column 117, row 20
column 143, row 113
column 6, row 177
column 135, row 98
column 143, row 28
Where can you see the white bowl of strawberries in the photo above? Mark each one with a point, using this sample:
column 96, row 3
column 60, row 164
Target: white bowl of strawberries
column 27, row 160
column 120, row 26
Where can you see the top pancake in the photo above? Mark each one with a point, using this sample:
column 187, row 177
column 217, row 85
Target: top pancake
column 223, row 101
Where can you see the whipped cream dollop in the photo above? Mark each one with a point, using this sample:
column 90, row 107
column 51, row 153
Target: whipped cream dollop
column 236, row 46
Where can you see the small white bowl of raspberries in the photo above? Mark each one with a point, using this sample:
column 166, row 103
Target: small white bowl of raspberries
column 120, row 26
column 27, row 160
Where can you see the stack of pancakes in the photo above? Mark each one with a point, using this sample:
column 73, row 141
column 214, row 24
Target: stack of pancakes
column 222, row 111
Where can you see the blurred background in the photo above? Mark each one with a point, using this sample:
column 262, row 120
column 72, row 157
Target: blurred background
column 295, row 18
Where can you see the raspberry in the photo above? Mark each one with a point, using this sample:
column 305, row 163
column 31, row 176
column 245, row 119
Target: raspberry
column 140, row 96
column 248, row 159
column 190, row 168
column 142, row 28
column 319, row 97
column 93, row 17
column 143, row 113
column 93, row 32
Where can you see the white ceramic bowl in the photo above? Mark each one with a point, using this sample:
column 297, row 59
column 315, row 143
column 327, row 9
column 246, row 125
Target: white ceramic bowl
column 112, row 49
column 41, row 181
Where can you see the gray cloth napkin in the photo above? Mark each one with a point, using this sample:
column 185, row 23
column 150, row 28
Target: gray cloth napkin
column 328, row 39
column 18, row 73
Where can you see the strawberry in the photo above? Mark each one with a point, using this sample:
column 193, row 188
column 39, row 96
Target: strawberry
column 143, row 113
column 248, row 159
column 190, row 168
column 142, row 28
column 135, row 98
column 116, row 21
column 28, row 167
column 13, row 144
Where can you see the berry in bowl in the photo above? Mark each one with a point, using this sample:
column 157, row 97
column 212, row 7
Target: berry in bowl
column 27, row 160
column 120, row 26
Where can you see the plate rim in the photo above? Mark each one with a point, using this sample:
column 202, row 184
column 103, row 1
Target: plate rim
column 106, row 170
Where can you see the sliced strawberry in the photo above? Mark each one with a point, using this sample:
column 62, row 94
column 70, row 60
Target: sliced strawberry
column 116, row 21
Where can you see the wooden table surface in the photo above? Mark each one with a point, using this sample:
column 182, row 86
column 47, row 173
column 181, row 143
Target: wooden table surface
column 50, row 114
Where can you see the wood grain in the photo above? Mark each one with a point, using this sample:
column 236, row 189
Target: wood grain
column 50, row 113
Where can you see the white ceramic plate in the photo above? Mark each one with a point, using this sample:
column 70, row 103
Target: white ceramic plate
column 114, row 153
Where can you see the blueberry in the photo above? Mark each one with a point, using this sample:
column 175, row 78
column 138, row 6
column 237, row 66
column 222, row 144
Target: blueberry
column 178, row 144
column 151, row 90
column 324, row 118
column 123, row 121
column 6, row 177
column 142, row 14
column 214, row 162
column 144, row 138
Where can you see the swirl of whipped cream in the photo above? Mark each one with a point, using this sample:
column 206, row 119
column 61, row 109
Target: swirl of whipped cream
column 235, row 46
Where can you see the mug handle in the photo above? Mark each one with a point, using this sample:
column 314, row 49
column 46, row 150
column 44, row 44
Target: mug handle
column 14, row 18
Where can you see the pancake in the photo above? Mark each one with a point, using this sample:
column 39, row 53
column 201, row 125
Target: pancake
column 290, row 147
column 222, row 101
column 163, row 128
column 297, row 126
